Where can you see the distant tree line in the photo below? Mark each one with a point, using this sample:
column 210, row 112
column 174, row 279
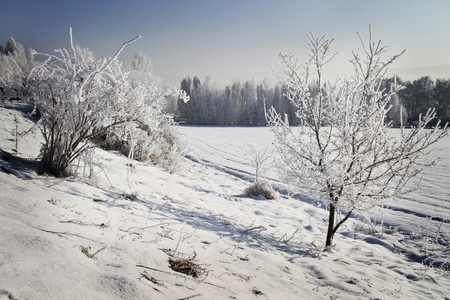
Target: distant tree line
column 237, row 104
column 420, row 94
column 242, row 103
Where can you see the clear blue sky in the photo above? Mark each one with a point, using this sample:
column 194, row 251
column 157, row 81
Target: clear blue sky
column 229, row 39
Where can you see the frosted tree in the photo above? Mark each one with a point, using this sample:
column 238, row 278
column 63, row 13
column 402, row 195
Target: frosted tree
column 344, row 152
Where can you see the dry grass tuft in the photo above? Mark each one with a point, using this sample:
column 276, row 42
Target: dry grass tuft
column 186, row 266
column 260, row 188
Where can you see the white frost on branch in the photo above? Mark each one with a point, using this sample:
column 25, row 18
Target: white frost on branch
column 183, row 96
column 344, row 152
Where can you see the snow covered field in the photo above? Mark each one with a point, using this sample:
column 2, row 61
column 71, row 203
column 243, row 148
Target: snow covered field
column 227, row 149
column 120, row 232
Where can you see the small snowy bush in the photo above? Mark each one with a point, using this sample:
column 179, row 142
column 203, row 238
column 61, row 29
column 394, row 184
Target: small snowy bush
column 260, row 188
column 153, row 138
column 161, row 146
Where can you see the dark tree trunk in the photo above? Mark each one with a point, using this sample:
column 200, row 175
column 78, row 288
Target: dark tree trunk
column 331, row 231
column 331, row 228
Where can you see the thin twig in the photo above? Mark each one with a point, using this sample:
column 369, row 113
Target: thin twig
column 190, row 297
column 67, row 233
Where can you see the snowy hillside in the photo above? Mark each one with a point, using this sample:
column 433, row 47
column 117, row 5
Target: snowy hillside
column 129, row 230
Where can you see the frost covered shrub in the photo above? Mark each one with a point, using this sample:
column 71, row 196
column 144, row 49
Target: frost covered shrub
column 260, row 188
column 164, row 148
column 80, row 97
column 77, row 97
column 154, row 138
column 15, row 64
column 161, row 146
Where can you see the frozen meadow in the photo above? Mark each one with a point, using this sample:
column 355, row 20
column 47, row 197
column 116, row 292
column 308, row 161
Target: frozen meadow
column 120, row 229
column 227, row 149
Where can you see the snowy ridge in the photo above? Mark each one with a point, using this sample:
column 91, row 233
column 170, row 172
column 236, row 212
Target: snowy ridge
column 111, row 236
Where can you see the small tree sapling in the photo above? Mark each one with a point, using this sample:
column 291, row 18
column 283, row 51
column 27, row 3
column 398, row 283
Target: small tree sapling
column 259, row 159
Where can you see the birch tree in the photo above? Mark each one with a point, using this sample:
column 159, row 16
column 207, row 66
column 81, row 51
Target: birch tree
column 344, row 152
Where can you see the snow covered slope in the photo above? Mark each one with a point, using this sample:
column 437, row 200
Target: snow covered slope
column 119, row 232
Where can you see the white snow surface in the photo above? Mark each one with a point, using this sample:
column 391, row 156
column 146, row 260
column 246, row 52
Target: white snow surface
column 111, row 235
